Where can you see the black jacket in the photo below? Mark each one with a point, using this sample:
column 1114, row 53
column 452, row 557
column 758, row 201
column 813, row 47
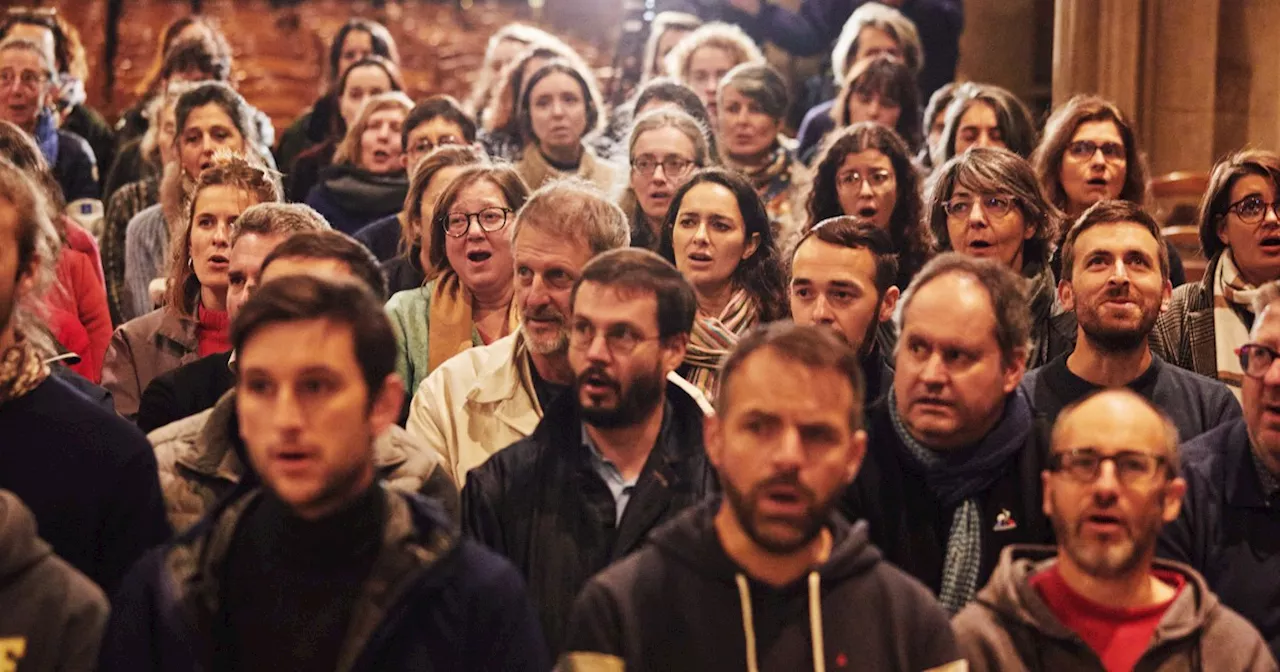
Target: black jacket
column 540, row 502
column 679, row 604
column 382, row 237
column 185, row 391
column 910, row 525
column 76, row 168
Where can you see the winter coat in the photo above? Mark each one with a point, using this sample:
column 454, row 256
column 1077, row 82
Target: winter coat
column 76, row 306
column 351, row 197
column 1009, row 627
column 142, row 349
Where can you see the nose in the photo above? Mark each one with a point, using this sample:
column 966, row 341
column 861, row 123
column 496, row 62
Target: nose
column 1097, row 160
column 222, row 234
column 1119, row 272
column 822, row 312
column 984, row 140
column 1107, row 481
column 598, row 348
column 700, row 234
column 1272, row 377
column 1269, row 215
column 788, row 453
column 864, row 188
column 474, row 231
column 287, row 412
column 537, row 295
column 874, row 109
column 933, row 371
column 977, row 216
column 659, row 173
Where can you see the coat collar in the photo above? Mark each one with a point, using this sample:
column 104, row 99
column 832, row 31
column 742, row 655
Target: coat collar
column 505, row 382
column 177, row 329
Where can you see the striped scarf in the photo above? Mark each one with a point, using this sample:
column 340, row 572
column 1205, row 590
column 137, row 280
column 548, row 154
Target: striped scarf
column 1232, row 310
column 714, row 337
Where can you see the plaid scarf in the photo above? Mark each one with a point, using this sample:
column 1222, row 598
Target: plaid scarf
column 1232, row 312
column 714, row 337
column 22, row 369
column 957, row 478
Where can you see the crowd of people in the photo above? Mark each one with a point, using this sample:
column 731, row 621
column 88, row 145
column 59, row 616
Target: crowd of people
column 527, row 381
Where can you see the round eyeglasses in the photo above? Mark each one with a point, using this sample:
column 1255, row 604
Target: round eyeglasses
column 457, row 224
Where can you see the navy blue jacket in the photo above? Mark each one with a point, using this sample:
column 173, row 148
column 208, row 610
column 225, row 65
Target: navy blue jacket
column 381, row 236
column 1227, row 530
column 435, row 601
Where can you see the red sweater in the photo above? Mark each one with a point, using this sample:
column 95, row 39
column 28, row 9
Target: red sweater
column 1118, row 635
column 213, row 331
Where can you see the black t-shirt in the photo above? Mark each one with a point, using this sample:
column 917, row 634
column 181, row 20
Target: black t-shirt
column 546, row 391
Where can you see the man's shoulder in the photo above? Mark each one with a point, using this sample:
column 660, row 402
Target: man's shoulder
column 473, row 364
column 1215, row 447
column 1203, row 387
column 67, row 420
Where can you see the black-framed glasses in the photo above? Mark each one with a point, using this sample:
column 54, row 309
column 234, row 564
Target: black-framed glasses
column 1085, row 149
column 1085, row 465
column 672, row 166
column 457, row 224
column 1252, row 210
column 1256, row 359
column 996, row 206
column 619, row 339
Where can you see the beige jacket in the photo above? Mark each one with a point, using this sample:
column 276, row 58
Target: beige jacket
column 142, row 349
column 199, row 465
column 481, row 401
column 534, row 169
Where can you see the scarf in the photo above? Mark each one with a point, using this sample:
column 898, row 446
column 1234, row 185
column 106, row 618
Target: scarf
column 537, row 170
column 956, row 478
column 450, row 323
column 213, row 331
column 714, row 337
column 22, row 369
column 1232, row 302
column 360, row 191
column 46, row 135
column 1042, row 298
column 771, row 179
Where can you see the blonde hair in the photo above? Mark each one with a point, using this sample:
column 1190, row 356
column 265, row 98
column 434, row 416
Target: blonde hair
column 724, row 36
column 349, row 149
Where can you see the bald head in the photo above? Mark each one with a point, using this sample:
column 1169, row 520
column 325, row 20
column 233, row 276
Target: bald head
column 1114, row 420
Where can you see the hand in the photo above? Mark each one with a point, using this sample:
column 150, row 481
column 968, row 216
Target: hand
column 751, row 7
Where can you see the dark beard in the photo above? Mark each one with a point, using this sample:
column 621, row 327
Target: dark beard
column 1116, row 341
column 744, row 508
column 644, row 394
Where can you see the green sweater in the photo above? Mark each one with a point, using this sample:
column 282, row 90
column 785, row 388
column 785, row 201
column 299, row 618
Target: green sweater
column 410, row 312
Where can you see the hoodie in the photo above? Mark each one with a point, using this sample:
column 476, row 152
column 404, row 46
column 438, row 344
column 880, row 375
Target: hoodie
column 1009, row 626
column 681, row 603
column 51, row 616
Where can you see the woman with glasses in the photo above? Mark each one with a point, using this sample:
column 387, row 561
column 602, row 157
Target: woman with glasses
column 560, row 107
column 865, row 171
column 469, row 252
column 1206, row 321
column 665, row 147
column 718, row 234
column 987, row 203
column 1089, row 153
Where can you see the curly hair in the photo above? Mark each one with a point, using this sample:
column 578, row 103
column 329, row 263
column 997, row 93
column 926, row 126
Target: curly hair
column 761, row 273
column 911, row 237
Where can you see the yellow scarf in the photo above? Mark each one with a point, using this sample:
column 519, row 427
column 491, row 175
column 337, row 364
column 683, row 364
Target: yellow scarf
column 450, row 322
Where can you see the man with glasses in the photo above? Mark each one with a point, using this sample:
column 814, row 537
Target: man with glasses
column 27, row 100
column 1111, row 484
column 952, row 471
column 1229, row 528
column 1115, row 276
column 617, row 455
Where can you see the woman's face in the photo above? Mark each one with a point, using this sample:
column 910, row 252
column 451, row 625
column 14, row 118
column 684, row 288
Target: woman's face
column 28, row 91
column 747, row 132
column 208, row 129
column 216, row 209
column 867, row 187
column 707, row 65
column 864, row 106
column 380, row 141
column 362, row 82
column 439, row 182
column 873, row 42
column 668, row 155
column 1091, row 176
column 709, row 238
column 979, row 127
column 357, row 45
column 558, row 112
column 482, row 259
column 988, row 225
column 1255, row 247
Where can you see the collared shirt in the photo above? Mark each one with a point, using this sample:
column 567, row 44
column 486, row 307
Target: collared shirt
column 1270, row 484
column 619, row 487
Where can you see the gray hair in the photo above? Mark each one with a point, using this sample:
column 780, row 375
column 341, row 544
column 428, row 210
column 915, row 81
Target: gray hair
column 725, row 36
column 759, row 82
column 574, row 209
column 1005, row 288
column 880, row 17
column 270, row 219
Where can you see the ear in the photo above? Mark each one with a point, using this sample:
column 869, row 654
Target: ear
column 1067, row 295
column 385, row 409
column 888, row 303
column 857, row 451
column 1166, row 295
column 1173, row 499
column 751, row 246
column 673, row 352
column 713, row 440
column 1014, row 371
column 404, row 160
column 1222, row 229
column 1046, row 503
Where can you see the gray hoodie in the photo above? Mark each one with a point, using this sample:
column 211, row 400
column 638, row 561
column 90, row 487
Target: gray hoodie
column 1009, row 626
column 51, row 616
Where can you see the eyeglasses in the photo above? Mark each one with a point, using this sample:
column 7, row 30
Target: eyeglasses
column 1252, row 210
column 425, row 145
column 877, row 178
column 30, row 79
column 672, row 166
column 1085, row 149
column 457, row 224
column 996, row 206
column 619, row 339
column 1084, row 466
column 1256, row 359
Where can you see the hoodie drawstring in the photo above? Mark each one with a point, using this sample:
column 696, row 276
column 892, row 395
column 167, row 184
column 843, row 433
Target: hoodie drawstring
column 815, row 622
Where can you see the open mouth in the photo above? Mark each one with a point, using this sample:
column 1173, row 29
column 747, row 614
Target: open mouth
column 700, row 256
column 867, row 211
column 218, row 259
column 1105, row 522
column 1270, row 243
column 980, row 245
column 932, row 402
column 478, row 256
column 381, row 155
column 1097, row 182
